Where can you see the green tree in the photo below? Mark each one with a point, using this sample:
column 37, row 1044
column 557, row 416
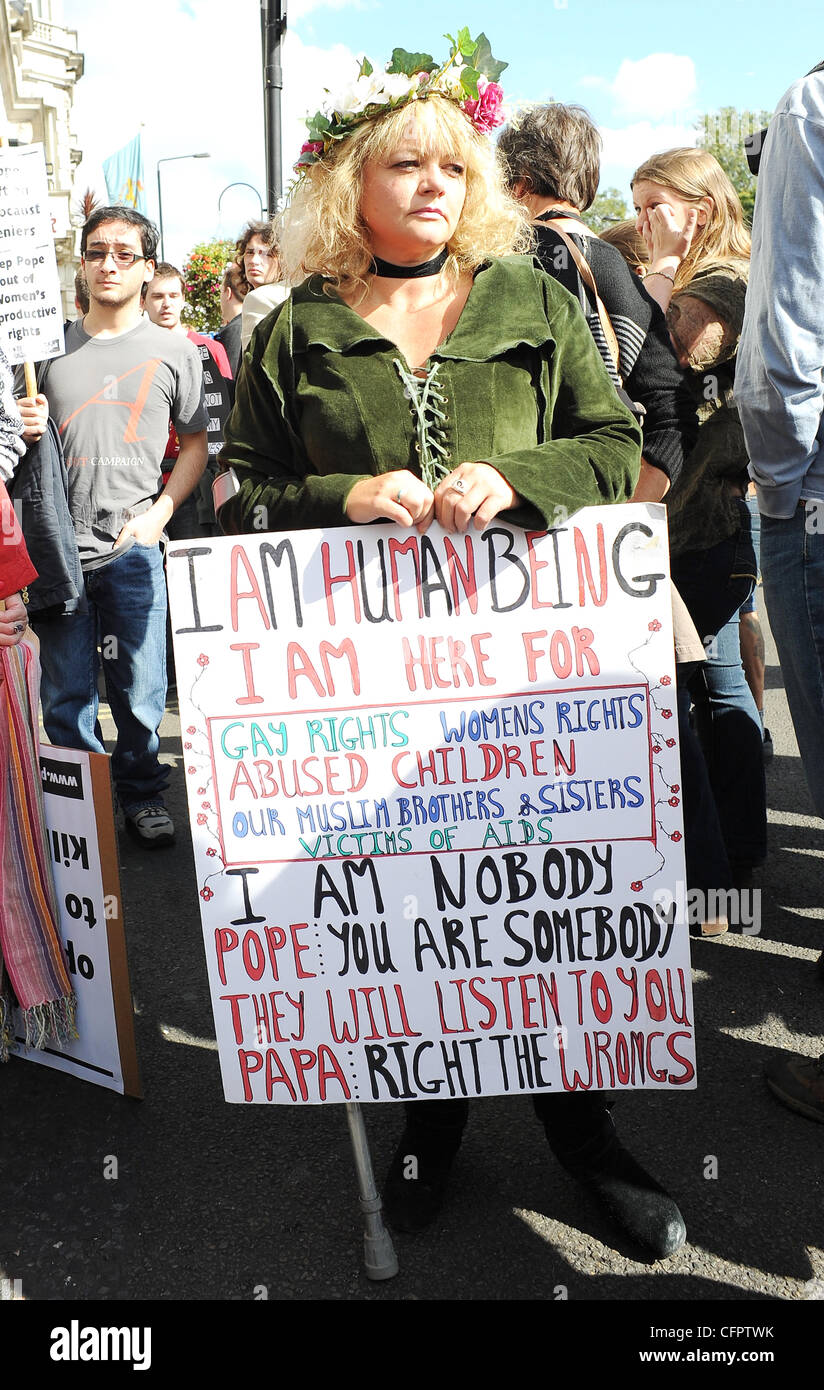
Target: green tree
column 609, row 207
column 723, row 133
column 203, row 272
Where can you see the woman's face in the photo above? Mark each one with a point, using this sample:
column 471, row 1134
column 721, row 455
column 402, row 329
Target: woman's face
column 412, row 202
column 648, row 195
column 259, row 263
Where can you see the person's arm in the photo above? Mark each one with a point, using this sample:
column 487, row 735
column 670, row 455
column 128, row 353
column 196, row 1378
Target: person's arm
column 700, row 336
column 147, row 528
column 652, row 486
column 278, row 490
column 651, row 375
column 16, row 568
column 11, row 424
column 779, row 383
column 593, row 452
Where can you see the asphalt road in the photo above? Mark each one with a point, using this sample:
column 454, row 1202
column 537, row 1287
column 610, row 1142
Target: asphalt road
column 229, row 1203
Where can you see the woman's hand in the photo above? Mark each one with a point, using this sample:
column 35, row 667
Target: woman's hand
column 397, row 496
column 667, row 243
column 13, row 621
column 473, row 490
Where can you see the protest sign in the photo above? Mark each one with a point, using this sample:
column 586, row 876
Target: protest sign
column 81, row 842
column 435, row 800
column 31, row 311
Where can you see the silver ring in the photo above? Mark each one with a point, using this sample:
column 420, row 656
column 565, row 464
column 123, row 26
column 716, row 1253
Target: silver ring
column 399, row 494
column 19, row 627
column 458, row 486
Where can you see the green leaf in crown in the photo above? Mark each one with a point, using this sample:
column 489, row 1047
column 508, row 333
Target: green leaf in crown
column 469, row 82
column 410, row 63
column 483, row 60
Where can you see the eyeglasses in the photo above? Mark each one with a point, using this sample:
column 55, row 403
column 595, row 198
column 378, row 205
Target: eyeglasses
column 98, row 254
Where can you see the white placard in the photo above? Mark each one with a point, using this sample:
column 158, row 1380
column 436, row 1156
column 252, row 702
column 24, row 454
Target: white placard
column 80, row 841
column 31, row 309
column 435, row 800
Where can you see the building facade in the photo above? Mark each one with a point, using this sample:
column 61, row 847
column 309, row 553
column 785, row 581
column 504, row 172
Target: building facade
column 39, row 66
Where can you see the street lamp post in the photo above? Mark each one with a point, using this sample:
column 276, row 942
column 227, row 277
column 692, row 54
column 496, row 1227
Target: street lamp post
column 273, row 28
column 168, row 160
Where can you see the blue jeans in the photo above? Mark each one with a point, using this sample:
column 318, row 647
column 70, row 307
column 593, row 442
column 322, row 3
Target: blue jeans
column 714, row 583
column 123, row 611
column 792, row 566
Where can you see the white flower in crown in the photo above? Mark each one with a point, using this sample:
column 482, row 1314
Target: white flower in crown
column 396, row 85
column 469, row 77
column 376, row 89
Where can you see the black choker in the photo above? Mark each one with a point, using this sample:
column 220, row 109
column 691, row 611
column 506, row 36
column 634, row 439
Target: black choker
column 410, row 272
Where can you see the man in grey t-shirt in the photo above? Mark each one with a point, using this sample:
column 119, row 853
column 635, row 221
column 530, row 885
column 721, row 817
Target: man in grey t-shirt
column 111, row 396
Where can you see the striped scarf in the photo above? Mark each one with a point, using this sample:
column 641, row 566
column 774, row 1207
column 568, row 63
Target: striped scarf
column 31, row 954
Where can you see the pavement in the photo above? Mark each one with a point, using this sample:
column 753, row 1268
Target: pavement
column 230, row 1203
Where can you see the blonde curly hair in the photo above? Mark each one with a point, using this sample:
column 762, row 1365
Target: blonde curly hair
column 322, row 231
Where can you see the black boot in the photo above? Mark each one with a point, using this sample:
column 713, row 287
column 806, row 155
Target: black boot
column 638, row 1204
column 581, row 1133
column 419, row 1172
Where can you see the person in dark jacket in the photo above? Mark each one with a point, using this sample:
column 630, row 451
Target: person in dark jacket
column 551, row 159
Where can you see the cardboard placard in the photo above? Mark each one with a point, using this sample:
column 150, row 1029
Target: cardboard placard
column 31, row 309
column 435, row 803
column 81, row 840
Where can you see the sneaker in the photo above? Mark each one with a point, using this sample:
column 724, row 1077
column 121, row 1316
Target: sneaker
column 767, row 748
column 798, row 1082
column 151, row 826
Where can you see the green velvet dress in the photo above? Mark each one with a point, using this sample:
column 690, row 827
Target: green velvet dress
column 324, row 400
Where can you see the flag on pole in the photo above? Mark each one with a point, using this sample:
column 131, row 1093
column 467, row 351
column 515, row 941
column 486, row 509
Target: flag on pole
column 124, row 176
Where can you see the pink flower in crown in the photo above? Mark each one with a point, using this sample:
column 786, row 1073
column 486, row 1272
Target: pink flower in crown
column 670, row 742
column 636, row 886
column 203, row 660
column 485, row 113
column 676, row 835
column 675, row 787
column 674, row 801
column 312, row 147
column 206, row 894
column 654, row 626
column 666, row 714
column 201, row 820
column 666, row 680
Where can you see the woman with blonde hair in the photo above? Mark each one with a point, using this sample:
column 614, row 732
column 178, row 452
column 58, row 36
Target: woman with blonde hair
column 691, row 220
column 420, row 372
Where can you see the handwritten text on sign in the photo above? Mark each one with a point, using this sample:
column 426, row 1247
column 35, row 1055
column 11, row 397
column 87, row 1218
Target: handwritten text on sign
column 31, row 315
column 434, row 791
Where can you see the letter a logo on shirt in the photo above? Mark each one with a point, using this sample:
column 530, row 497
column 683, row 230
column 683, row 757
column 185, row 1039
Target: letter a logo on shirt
column 135, row 408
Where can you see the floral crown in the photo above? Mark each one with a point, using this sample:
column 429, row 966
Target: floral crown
column 469, row 77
